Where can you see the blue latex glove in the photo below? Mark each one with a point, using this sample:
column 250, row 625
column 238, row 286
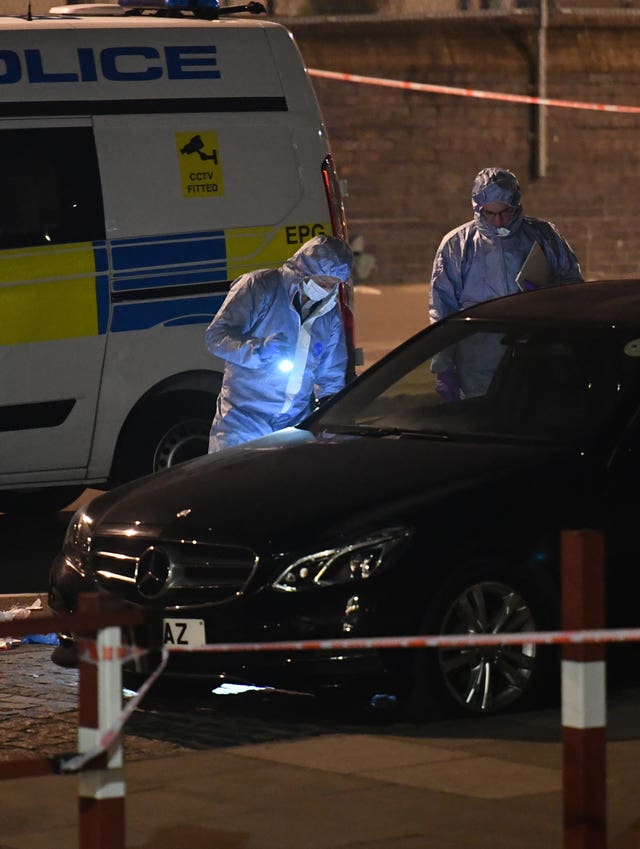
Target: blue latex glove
column 45, row 639
column 527, row 286
column 448, row 385
column 274, row 347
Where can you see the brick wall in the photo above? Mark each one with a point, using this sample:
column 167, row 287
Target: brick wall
column 410, row 158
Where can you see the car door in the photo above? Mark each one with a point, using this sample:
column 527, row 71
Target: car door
column 54, row 301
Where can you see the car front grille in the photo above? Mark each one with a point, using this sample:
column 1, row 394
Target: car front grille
column 146, row 568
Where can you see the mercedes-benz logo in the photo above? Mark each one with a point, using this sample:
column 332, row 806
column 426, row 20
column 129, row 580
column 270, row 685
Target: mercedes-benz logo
column 152, row 572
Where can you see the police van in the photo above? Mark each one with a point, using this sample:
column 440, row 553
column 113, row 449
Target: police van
column 148, row 156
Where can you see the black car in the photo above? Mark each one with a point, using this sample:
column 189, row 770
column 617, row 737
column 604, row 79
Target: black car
column 391, row 511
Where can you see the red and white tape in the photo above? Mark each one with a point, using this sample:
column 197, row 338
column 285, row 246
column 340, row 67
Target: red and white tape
column 76, row 763
column 89, row 652
column 622, row 635
column 473, row 92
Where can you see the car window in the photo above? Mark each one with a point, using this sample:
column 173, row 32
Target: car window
column 514, row 383
column 51, row 187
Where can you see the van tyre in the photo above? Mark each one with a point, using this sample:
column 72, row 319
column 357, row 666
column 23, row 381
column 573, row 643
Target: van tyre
column 166, row 431
column 483, row 680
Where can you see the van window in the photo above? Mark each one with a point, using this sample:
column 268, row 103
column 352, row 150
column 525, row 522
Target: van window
column 50, row 187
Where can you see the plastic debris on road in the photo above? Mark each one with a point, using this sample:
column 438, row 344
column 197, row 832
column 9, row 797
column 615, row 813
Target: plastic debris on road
column 18, row 612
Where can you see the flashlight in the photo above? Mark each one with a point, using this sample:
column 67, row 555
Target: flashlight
column 285, row 366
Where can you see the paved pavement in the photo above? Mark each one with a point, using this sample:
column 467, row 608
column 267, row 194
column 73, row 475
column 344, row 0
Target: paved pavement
column 267, row 772
column 387, row 315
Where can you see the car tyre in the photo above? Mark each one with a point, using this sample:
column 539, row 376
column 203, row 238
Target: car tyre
column 482, row 680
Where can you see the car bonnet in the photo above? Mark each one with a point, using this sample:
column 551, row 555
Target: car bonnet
column 285, row 485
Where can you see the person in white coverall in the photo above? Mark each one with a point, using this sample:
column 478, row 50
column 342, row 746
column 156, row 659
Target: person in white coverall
column 480, row 260
column 281, row 335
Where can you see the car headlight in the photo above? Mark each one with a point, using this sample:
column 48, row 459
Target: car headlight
column 77, row 540
column 354, row 562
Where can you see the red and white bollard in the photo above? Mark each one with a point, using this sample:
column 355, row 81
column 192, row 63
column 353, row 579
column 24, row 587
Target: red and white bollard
column 584, row 693
column 101, row 788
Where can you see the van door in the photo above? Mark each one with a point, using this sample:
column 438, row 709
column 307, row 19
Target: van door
column 54, row 296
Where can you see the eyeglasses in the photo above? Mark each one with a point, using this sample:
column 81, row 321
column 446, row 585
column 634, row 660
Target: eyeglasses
column 326, row 281
column 503, row 214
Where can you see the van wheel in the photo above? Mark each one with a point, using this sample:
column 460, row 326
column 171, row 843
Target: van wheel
column 166, row 431
column 483, row 680
column 182, row 441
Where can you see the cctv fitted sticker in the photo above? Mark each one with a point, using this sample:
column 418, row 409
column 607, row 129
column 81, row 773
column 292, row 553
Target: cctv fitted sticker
column 199, row 161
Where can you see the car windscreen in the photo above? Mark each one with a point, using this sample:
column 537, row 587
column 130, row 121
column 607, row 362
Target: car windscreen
column 478, row 380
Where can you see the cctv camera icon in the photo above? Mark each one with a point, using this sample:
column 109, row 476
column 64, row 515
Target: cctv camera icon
column 194, row 145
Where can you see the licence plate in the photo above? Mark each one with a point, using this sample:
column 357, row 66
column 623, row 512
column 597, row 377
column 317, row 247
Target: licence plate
column 184, row 632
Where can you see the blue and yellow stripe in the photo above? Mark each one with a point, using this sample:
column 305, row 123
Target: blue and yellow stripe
column 55, row 292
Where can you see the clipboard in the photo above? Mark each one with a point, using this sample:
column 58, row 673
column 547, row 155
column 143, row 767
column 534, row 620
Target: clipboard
column 536, row 273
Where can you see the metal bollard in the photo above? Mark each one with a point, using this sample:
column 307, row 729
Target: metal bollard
column 101, row 789
column 584, row 693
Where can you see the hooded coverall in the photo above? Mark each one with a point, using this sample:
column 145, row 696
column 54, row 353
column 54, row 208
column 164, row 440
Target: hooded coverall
column 256, row 397
column 477, row 261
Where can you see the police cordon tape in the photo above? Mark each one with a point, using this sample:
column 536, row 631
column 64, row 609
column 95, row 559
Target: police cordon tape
column 608, row 635
column 623, row 635
column 90, row 653
column 76, row 763
column 472, row 92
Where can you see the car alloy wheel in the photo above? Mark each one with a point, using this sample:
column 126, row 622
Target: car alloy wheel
column 487, row 679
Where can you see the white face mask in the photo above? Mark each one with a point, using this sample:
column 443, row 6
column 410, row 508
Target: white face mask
column 314, row 291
